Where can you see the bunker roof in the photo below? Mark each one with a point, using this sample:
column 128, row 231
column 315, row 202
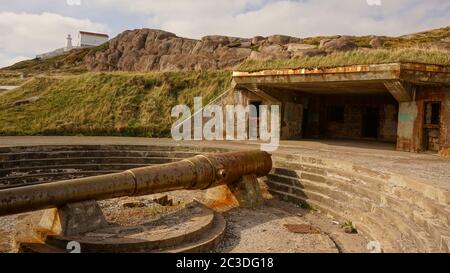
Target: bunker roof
column 412, row 72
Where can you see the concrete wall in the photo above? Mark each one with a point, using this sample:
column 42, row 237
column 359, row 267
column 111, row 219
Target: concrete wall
column 445, row 128
column 407, row 128
column 319, row 125
column 411, row 137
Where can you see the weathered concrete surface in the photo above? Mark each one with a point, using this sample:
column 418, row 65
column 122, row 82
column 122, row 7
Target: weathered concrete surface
column 416, row 73
column 189, row 228
column 377, row 156
column 412, row 86
column 399, row 198
column 407, row 117
column 400, row 91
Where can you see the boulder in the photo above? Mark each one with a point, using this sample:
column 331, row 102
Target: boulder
column 339, row 44
column 257, row 39
column 313, row 52
column 247, row 44
column 292, row 47
column 377, row 42
column 279, row 39
column 283, row 39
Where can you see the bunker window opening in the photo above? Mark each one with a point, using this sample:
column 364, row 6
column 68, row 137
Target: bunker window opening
column 432, row 113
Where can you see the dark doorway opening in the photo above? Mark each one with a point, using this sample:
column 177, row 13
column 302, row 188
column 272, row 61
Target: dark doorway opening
column 370, row 122
column 254, row 116
column 305, row 131
column 431, row 126
column 257, row 104
column 432, row 113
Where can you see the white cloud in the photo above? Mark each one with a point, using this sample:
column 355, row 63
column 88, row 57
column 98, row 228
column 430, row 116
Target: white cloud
column 25, row 34
column 6, row 60
column 196, row 18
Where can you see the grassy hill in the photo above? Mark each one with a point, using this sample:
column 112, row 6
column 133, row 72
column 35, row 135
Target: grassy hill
column 58, row 96
column 126, row 104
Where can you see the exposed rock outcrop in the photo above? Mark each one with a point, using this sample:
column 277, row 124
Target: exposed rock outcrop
column 157, row 50
column 148, row 50
column 339, row 44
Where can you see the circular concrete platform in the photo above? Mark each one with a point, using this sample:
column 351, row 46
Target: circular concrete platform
column 192, row 228
column 400, row 200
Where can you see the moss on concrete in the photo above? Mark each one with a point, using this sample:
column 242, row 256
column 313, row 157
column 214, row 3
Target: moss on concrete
column 357, row 57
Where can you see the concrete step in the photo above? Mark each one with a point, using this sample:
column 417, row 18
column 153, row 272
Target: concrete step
column 332, row 197
column 92, row 153
column 373, row 230
column 69, row 168
column 162, row 148
column 406, row 224
column 200, row 232
column 80, row 160
column 208, row 241
column 409, row 231
column 361, row 202
column 50, row 177
column 379, row 196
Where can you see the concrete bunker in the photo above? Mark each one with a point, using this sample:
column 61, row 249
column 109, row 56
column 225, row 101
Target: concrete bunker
column 404, row 104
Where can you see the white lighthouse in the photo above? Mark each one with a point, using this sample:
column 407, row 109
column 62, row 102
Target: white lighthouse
column 87, row 39
column 69, row 43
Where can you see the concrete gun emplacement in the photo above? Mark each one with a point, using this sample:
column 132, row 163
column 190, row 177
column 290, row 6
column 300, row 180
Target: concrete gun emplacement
column 198, row 172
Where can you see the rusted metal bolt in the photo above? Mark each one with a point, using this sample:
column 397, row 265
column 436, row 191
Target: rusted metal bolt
column 221, row 174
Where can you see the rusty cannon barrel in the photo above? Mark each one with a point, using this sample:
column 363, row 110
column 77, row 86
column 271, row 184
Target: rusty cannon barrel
column 198, row 172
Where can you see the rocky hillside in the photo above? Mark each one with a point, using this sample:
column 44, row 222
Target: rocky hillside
column 156, row 50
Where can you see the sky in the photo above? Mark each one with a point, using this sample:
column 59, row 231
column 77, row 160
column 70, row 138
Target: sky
column 29, row 27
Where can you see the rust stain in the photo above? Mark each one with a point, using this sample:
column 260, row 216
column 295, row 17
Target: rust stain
column 444, row 152
column 224, row 201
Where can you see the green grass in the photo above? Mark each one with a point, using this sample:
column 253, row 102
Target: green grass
column 117, row 104
column 71, row 62
column 11, row 79
column 413, row 40
column 412, row 55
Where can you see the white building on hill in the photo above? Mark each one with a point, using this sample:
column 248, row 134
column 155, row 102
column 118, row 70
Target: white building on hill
column 86, row 39
column 90, row 39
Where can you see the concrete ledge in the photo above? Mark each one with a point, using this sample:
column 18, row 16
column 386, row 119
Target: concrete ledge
column 404, row 214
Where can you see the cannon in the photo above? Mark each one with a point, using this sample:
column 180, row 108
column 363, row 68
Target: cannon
column 198, row 172
column 70, row 215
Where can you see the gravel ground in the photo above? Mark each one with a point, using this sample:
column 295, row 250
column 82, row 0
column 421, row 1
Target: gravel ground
column 248, row 230
column 263, row 230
